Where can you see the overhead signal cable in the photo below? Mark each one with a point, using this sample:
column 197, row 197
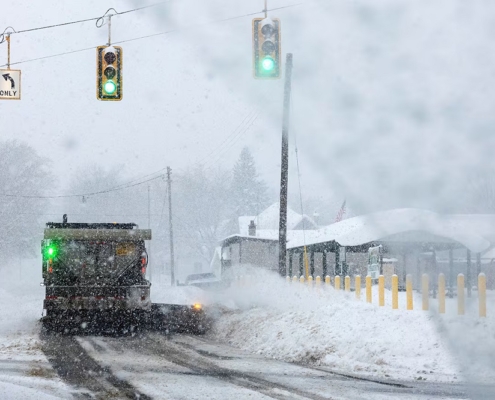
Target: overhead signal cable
column 231, row 140
column 2, row 36
column 141, row 37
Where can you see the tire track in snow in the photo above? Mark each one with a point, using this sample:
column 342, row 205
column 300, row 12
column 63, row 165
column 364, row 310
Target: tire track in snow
column 77, row 368
column 181, row 355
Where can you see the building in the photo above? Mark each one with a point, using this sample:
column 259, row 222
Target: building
column 412, row 241
column 256, row 244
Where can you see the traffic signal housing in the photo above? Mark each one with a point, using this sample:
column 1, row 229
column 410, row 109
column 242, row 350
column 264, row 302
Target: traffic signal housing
column 109, row 73
column 266, row 48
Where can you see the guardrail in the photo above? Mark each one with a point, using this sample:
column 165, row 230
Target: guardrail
column 425, row 290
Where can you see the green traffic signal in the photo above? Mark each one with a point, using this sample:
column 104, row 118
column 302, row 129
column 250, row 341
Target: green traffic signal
column 266, row 48
column 109, row 73
column 110, row 87
column 268, row 64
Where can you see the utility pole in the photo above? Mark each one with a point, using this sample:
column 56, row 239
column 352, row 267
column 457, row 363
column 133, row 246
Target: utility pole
column 172, row 267
column 149, row 227
column 282, row 238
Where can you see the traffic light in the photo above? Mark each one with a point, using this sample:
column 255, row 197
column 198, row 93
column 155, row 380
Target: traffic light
column 109, row 73
column 266, row 48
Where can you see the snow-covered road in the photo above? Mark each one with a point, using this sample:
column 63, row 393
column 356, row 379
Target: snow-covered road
column 189, row 367
column 156, row 366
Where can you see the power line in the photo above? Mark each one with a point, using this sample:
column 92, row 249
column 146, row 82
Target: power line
column 233, row 141
column 148, row 36
column 114, row 189
column 248, row 116
column 142, row 177
column 2, row 36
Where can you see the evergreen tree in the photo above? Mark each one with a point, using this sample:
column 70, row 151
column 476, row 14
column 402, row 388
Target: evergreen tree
column 248, row 192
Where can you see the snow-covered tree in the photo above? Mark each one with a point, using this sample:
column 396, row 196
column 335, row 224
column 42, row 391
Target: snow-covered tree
column 248, row 191
column 24, row 179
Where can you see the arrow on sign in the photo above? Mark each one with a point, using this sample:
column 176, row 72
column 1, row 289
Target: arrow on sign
column 7, row 76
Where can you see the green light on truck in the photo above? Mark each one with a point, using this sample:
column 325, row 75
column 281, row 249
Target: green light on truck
column 50, row 251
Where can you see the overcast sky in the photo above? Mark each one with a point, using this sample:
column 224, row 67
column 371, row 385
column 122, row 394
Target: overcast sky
column 393, row 101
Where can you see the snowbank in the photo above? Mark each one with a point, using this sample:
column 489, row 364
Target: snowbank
column 24, row 370
column 295, row 323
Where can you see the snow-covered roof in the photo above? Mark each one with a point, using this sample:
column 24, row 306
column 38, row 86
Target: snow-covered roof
column 381, row 225
column 270, row 234
column 489, row 254
column 269, row 219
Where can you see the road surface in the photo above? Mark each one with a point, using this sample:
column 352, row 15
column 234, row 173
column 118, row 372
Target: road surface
column 156, row 366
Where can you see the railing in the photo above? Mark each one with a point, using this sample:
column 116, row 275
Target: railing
column 425, row 290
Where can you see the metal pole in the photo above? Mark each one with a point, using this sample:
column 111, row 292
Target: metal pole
column 469, row 284
column 149, row 227
column 418, row 272
column 266, row 8
column 8, row 51
column 451, row 272
column 282, row 239
column 149, row 208
column 110, row 30
column 435, row 274
column 172, row 267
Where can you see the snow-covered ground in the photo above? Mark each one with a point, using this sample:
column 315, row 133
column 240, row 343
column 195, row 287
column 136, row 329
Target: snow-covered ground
column 271, row 318
column 296, row 323
column 25, row 372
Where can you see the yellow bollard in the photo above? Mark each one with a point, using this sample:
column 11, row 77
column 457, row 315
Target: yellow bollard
column 318, row 282
column 327, row 280
column 425, row 292
column 460, row 294
column 368, row 289
column 301, row 279
column 395, row 292
column 381, row 290
column 347, row 283
column 482, row 294
column 409, row 291
column 310, row 281
column 294, row 279
column 357, row 284
column 287, row 279
column 337, row 282
column 441, row 293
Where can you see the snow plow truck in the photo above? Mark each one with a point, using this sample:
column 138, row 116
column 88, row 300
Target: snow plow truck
column 95, row 279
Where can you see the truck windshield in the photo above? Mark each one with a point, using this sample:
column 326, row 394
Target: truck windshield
column 90, row 262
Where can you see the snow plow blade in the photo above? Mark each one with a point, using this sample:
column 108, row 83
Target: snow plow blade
column 168, row 318
column 172, row 318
